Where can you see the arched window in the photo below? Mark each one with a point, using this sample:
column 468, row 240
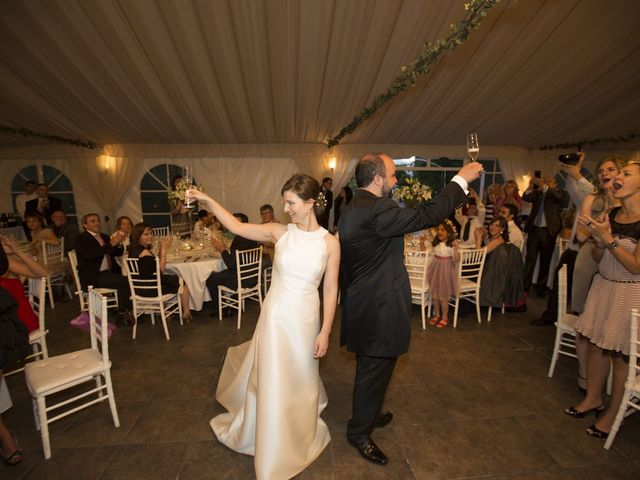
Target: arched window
column 59, row 186
column 154, row 188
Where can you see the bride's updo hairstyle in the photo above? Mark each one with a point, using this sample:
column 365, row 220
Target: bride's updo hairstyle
column 307, row 188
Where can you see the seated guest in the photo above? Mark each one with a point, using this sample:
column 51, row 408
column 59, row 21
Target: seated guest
column 96, row 263
column 140, row 247
column 62, row 228
column 491, row 196
column 43, row 204
column 509, row 212
column 19, row 264
column 37, row 233
column 501, row 281
column 205, row 220
column 471, row 221
column 266, row 214
column 124, row 224
column 228, row 278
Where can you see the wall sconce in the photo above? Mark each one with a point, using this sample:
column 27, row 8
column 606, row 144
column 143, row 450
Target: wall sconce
column 106, row 164
column 332, row 163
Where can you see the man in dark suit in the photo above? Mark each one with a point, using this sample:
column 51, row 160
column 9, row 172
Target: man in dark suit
column 323, row 218
column 44, row 204
column 96, row 264
column 65, row 229
column 228, row 277
column 542, row 228
column 376, row 296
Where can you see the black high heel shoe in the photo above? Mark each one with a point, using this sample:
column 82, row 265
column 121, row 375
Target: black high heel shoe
column 596, row 432
column 12, row 458
column 572, row 412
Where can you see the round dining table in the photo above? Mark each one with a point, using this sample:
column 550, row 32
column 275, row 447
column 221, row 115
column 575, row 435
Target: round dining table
column 195, row 268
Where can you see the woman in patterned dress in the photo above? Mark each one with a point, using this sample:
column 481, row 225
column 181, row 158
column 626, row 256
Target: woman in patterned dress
column 615, row 290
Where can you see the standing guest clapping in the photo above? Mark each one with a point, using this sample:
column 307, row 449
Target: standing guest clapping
column 614, row 292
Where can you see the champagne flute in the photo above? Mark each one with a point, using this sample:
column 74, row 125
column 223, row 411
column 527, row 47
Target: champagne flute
column 473, row 147
column 187, row 181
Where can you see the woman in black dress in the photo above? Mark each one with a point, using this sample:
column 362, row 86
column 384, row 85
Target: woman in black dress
column 140, row 247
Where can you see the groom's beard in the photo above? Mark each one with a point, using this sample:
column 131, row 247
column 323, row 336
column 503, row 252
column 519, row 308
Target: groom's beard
column 386, row 191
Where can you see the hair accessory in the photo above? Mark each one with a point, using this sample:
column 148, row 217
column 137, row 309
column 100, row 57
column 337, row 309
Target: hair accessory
column 451, row 226
column 321, row 201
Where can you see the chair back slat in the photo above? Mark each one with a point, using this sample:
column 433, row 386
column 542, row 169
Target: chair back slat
column 161, row 232
column 562, row 292
column 249, row 265
column 52, row 254
column 417, row 264
column 634, row 347
column 139, row 284
column 99, row 327
column 36, row 293
column 471, row 264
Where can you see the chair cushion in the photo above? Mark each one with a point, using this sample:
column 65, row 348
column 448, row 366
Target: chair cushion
column 46, row 374
column 568, row 322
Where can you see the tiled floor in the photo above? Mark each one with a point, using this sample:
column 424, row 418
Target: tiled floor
column 474, row 402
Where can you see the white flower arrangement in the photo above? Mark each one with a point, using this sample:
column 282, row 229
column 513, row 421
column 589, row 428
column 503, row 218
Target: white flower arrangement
column 413, row 192
column 178, row 194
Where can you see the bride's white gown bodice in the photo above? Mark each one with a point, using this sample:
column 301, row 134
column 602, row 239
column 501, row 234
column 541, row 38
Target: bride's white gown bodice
column 270, row 385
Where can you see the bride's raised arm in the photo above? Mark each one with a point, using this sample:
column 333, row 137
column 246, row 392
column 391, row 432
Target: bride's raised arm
column 267, row 232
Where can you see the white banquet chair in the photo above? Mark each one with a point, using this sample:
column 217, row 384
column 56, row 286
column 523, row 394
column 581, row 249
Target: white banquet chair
column 249, row 269
column 36, row 294
column 165, row 304
column 417, row 264
column 160, row 232
column 266, row 280
column 110, row 293
column 469, row 275
column 55, row 374
column 53, row 258
column 631, row 395
column 565, row 341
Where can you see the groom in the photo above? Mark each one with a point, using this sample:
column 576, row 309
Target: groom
column 376, row 296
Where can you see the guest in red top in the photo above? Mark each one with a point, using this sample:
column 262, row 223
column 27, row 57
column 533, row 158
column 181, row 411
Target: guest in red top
column 24, row 265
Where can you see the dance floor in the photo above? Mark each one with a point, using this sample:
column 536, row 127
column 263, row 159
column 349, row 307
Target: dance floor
column 474, row 402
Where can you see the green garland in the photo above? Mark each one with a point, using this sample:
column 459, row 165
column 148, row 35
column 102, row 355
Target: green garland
column 431, row 53
column 595, row 141
column 27, row 133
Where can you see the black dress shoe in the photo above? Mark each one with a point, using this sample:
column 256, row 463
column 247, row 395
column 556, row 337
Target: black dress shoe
column 370, row 451
column 383, row 419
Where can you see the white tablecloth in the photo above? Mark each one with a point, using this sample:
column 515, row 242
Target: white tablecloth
column 15, row 232
column 195, row 273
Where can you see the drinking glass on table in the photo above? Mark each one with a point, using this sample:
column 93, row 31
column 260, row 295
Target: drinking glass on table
column 187, row 180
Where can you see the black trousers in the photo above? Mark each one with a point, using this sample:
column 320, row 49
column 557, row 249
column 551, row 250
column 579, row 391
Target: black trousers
column 372, row 379
column 119, row 283
column 569, row 258
column 539, row 241
column 226, row 278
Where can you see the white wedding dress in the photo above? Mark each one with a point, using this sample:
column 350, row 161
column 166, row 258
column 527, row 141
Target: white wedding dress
column 270, row 385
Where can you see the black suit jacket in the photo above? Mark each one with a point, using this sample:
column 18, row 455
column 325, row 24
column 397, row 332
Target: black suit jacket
column 90, row 254
column 238, row 243
column 376, row 296
column 552, row 209
column 54, row 204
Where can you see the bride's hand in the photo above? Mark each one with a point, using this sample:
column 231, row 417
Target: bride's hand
column 322, row 344
column 194, row 193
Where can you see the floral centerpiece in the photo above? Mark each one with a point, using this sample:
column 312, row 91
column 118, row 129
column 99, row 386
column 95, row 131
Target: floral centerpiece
column 412, row 193
column 178, row 194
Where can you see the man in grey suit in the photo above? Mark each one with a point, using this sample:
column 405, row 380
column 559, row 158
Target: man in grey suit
column 376, row 295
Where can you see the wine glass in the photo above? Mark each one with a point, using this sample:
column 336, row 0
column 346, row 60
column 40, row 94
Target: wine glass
column 473, row 147
column 187, row 181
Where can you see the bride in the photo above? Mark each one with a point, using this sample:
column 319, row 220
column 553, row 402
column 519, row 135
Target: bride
column 271, row 385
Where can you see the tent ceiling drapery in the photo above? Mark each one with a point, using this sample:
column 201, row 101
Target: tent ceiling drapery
column 294, row 71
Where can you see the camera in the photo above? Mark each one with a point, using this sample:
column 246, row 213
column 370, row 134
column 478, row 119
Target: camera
column 569, row 158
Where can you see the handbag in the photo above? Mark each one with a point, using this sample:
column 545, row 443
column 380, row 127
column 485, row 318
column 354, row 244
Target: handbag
column 83, row 320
